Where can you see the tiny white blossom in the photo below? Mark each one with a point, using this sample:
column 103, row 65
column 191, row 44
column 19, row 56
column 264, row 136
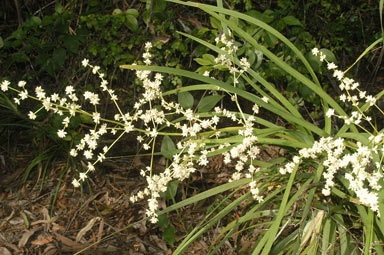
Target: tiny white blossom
column 148, row 45
column 75, row 183
column 88, row 154
column 95, row 69
column 85, row 62
column 73, row 153
column 4, row 85
column 32, row 115
column 83, row 176
column 255, row 108
column 330, row 112
column 61, row 133
column 21, row 84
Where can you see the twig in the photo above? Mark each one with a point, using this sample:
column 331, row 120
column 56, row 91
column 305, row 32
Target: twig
column 19, row 19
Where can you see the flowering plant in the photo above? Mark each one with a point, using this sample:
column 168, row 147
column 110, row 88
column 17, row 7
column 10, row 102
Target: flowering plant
column 344, row 161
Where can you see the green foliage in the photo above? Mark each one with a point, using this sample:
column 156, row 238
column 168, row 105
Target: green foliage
column 168, row 147
column 185, row 99
column 299, row 186
column 45, row 43
column 207, row 103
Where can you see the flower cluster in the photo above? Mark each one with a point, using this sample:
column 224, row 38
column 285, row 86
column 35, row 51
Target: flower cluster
column 351, row 94
column 357, row 162
column 152, row 110
column 192, row 150
column 364, row 175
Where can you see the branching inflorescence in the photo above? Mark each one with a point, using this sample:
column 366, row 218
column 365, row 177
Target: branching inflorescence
column 153, row 110
column 364, row 161
column 191, row 150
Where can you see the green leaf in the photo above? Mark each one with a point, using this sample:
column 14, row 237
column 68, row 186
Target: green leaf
column 71, row 43
column 86, row 119
column 268, row 16
column 292, row 21
column 169, row 235
column 256, row 14
column 215, row 23
column 1, row 42
column 59, row 8
column 210, row 58
column 270, row 39
column 158, row 6
column 131, row 23
column 168, row 147
column 36, row 20
column 20, row 57
column 163, row 221
column 59, row 56
column 202, row 61
column 314, row 61
column 171, row 191
column 132, row 12
column 259, row 55
column 251, row 56
column 185, row 99
column 207, row 103
column 117, row 12
column 329, row 55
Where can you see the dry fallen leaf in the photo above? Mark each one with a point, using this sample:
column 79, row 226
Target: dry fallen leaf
column 84, row 230
column 50, row 250
column 4, row 251
column 24, row 239
column 42, row 239
column 68, row 242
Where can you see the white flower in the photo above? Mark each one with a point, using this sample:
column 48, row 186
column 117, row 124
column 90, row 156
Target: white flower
column 95, row 69
column 330, row 112
column 4, row 85
column 148, row 45
column 92, row 97
column 23, row 94
column 83, row 176
column 96, row 117
column 322, row 56
column 255, row 108
column 73, row 153
column 69, row 90
column 371, row 100
column 265, row 99
column 326, row 192
column 75, row 183
column 90, row 167
column 40, row 94
column 88, row 154
column 21, row 84
column 331, row 66
column 85, row 62
column 61, row 133
column 244, row 62
column 32, row 115
column 315, row 51
column 154, row 220
column 338, row 74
